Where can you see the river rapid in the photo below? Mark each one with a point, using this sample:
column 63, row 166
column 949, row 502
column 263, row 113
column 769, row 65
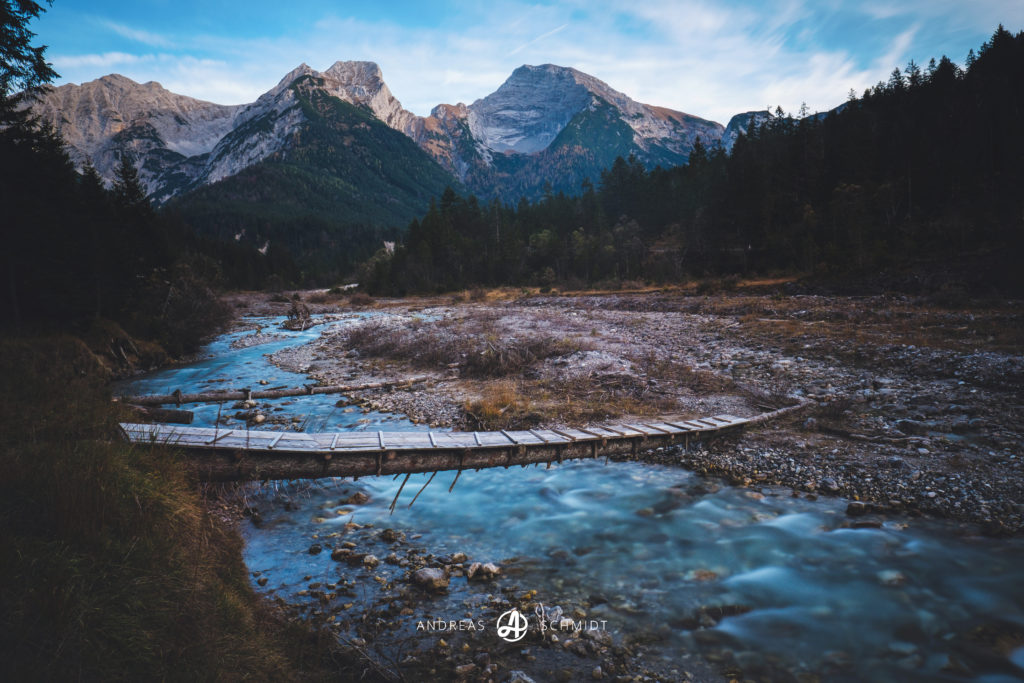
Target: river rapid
column 757, row 581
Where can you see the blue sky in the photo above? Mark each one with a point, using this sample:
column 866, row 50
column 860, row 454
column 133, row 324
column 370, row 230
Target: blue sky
column 711, row 59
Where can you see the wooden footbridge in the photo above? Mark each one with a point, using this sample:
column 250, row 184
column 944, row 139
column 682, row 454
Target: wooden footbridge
column 219, row 454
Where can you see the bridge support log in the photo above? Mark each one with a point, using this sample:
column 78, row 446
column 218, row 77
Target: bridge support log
column 214, row 465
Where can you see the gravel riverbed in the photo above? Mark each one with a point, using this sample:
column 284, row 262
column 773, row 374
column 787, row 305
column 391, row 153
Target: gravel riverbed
column 918, row 408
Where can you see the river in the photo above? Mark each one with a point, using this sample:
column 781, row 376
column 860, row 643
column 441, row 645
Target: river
column 754, row 579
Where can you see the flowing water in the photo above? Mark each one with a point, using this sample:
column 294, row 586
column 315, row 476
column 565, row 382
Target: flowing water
column 760, row 580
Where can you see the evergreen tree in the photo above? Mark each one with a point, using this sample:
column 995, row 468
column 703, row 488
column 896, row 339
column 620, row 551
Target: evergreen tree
column 23, row 66
column 127, row 186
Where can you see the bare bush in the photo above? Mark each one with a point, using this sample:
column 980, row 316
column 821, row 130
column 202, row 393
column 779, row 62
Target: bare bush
column 360, row 299
column 473, row 346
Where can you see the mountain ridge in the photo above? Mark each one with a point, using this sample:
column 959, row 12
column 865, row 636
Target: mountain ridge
column 180, row 144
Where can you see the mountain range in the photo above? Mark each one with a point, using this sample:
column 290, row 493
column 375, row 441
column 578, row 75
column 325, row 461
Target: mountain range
column 329, row 163
column 545, row 125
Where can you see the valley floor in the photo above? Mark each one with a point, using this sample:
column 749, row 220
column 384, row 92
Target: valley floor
column 918, row 407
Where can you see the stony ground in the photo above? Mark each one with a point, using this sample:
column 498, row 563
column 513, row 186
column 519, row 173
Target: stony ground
column 918, row 407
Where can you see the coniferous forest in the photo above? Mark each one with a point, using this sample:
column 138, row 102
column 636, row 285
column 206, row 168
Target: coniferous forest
column 76, row 251
column 923, row 169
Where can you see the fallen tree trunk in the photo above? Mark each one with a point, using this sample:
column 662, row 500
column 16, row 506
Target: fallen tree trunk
column 166, row 415
column 788, row 411
column 179, row 398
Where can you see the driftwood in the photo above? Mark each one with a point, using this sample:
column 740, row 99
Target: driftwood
column 788, row 411
column 178, row 398
column 167, row 415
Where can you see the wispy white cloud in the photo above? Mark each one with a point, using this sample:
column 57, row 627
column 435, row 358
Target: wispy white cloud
column 106, row 60
column 707, row 58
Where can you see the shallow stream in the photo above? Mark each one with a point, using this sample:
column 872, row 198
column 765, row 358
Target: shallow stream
column 758, row 580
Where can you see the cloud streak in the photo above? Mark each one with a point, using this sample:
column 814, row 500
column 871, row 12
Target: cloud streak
column 136, row 35
column 539, row 38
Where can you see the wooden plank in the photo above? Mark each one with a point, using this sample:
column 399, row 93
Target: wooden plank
column 671, row 428
column 552, row 436
column 542, row 439
column 526, row 438
column 656, row 428
column 630, row 432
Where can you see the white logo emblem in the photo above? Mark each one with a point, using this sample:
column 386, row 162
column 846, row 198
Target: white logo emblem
column 512, row 625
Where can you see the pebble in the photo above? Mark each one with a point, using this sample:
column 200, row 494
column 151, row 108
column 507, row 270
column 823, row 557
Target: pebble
column 431, row 578
column 465, row 670
column 891, row 577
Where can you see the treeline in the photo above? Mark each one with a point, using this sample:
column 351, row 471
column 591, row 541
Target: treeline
column 925, row 166
column 75, row 251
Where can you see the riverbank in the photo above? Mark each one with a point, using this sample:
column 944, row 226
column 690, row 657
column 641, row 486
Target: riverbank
column 112, row 566
column 918, row 406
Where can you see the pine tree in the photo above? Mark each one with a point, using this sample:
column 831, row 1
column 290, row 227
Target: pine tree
column 913, row 72
column 23, row 67
column 127, row 187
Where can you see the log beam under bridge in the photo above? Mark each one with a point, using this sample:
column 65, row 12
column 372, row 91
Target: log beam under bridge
column 250, row 455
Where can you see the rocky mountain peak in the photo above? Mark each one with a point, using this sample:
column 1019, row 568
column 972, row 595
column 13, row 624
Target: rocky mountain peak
column 355, row 74
column 359, row 83
column 289, row 78
column 740, row 124
column 105, row 118
column 529, row 109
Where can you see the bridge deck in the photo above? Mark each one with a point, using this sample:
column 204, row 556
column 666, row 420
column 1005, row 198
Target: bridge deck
column 243, row 454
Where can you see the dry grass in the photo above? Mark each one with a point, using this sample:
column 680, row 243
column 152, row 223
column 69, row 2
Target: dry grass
column 475, row 346
column 360, row 299
column 680, row 375
column 501, row 406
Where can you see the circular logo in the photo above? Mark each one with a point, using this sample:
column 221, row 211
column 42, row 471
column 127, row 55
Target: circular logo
column 512, row 625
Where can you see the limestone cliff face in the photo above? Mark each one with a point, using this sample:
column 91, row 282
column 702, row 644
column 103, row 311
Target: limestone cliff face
column 103, row 119
column 553, row 124
column 740, row 124
column 536, row 103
